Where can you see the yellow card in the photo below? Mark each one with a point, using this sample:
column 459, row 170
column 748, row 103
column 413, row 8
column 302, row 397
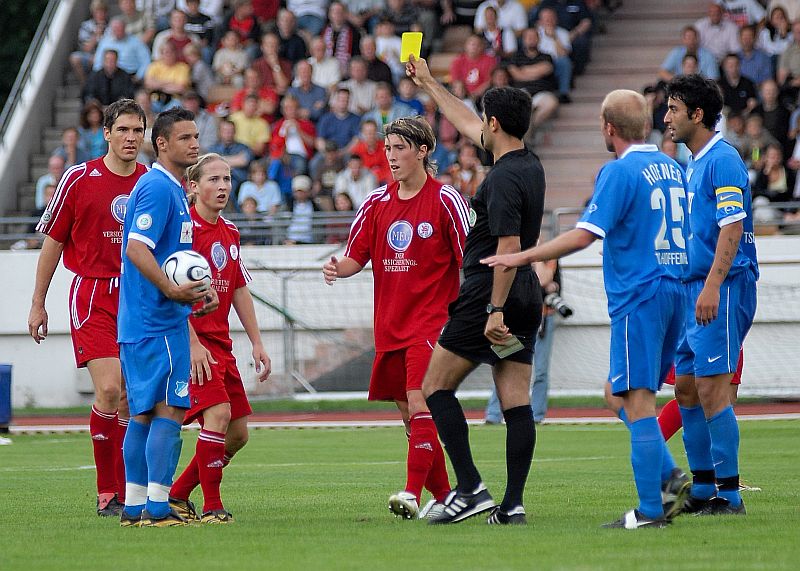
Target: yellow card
column 410, row 43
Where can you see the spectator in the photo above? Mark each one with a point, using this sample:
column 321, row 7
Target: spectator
column 671, row 66
column 324, row 169
column 242, row 21
column 198, row 23
column 109, row 83
column 554, row 41
column 206, row 123
column 251, row 129
column 690, row 65
column 678, row 151
column 413, row 15
column 236, row 154
column 146, row 152
column 158, row 11
column 90, row 132
column 89, row 35
column 734, row 131
column 70, row 150
column 576, row 18
column 386, row 108
column 401, row 13
column 718, row 35
column 133, row 57
column 338, row 126
column 445, row 152
column 355, row 180
column 230, row 61
column 743, row 12
column 738, row 92
column 467, row 171
column 293, row 136
column 312, row 98
column 510, row 16
column 175, row 35
column 292, row 46
column 167, row 78
column 282, row 172
column 301, row 226
column 362, row 89
column 370, row 148
column 265, row 193
column 326, row 71
column 775, row 113
column 473, row 67
column 267, row 98
column 338, row 232
column 211, row 8
column 460, row 12
column 407, row 94
column 500, row 42
column 275, row 71
column 773, row 179
column 201, row 74
column 756, row 141
column 55, row 170
column 756, row 64
column 791, row 8
column 532, row 71
column 363, row 14
column 250, row 236
column 776, row 35
column 789, row 66
column 458, row 89
column 341, row 39
column 265, row 11
column 377, row 70
column 137, row 23
column 387, row 48
column 310, row 15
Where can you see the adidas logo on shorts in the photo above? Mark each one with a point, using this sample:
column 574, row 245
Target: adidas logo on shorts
column 425, row 446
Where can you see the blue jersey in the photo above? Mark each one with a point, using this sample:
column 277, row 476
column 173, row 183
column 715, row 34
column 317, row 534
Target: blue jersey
column 157, row 215
column 718, row 189
column 638, row 209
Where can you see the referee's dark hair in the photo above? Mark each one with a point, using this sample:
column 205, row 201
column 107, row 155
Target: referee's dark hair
column 697, row 92
column 122, row 107
column 511, row 107
column 162, row 127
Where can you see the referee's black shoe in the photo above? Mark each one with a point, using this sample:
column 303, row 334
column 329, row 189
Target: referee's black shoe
column 459, row 506
column 515, row 516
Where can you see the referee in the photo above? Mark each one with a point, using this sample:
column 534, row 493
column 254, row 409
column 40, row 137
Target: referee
column 496, row 315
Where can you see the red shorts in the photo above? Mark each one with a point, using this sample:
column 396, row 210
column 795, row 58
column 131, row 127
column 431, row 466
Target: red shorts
column 736, row 380
column 225, row 386
column 394, row 373
column 93, row 305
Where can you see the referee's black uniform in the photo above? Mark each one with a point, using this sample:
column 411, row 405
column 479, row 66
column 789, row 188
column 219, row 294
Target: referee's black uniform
column 509, row 202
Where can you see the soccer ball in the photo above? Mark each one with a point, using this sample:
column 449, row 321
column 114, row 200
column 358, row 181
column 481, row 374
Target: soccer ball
column 185, row 266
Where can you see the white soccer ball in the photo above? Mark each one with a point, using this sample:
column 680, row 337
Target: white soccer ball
column 186, row 266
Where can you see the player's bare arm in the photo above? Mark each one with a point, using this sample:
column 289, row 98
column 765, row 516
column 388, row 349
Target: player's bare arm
column 141, row 256
column 210, row 303
column 201, row 358
column 335, row 268
column 467, row 123
column 496, row 330
column 567, row 243
column 707, row 307
column 45, row 268
column 243, row 305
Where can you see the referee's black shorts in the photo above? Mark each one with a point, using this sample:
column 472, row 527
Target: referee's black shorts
column 463, row 332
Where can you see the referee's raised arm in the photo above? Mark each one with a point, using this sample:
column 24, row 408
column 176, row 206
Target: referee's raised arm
column 461, row 116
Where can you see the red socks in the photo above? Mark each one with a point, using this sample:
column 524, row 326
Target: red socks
column 103, row 428
column 669, row 419
column 187, row 481
column 425, row 465
column 210, row 454
column 119, row 460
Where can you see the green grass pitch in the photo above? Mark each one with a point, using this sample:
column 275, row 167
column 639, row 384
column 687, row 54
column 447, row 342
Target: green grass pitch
column 316, row 499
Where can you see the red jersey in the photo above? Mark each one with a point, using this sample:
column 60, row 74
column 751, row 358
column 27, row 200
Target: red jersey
column 86, row 215
column 416, row 247
column 473, row 72
column 219, row 244
column 375, row 160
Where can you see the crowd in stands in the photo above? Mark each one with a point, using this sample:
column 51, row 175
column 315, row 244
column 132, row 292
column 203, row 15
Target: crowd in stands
column 295, row 94
column 753, row 52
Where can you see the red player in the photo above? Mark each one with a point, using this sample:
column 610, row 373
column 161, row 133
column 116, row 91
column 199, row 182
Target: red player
column 84, row 221
column 414, row 231
column 217, row 394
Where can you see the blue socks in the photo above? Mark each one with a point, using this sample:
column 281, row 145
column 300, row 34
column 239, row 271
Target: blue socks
column 646, row 456
column 162, row 452
column 133, row 451
column 724, row 431
column 697, row 441
column 667, row 462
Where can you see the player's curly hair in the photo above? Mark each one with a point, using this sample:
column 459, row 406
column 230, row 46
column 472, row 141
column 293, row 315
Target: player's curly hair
column 122, row 107
column 195, row 171
column 416, row 131
column 697, row 92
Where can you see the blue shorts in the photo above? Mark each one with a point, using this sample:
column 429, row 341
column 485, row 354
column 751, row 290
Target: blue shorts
column 157, row 369
column 643, row 343
column 713, row 349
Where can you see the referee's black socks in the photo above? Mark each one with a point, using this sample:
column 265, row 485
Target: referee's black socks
column 454, row 432
column 520, row 442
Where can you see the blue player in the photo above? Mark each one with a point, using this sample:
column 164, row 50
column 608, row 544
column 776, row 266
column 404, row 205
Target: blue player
column 153, row 323
column 721, row 294
column 638, row 211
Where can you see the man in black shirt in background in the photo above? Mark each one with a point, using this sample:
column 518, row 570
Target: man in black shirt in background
column 496, row 315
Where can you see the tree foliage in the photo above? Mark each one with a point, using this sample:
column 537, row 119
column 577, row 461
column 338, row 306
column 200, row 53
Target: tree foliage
column 18, row 23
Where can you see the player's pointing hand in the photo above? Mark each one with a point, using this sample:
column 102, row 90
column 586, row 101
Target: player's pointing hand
column 330, row 271
column 506, row 261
